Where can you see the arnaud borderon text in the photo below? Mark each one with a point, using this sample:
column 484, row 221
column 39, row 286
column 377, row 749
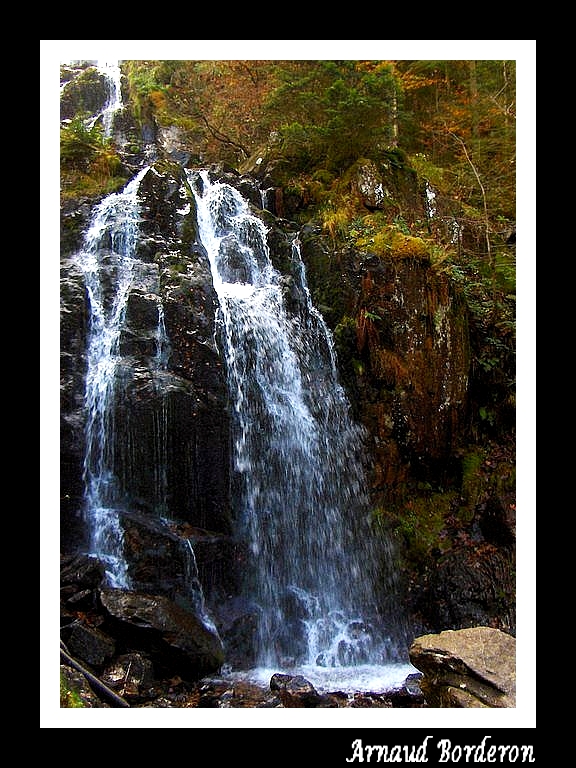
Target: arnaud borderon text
column 484, row 752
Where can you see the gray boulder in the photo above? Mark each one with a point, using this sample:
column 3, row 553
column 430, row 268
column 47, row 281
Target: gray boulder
column 473, row 667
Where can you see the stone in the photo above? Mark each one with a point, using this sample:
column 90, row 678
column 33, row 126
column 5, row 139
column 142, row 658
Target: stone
column 89, row 644
column 295, row 691
column 176, row 639
column 370, row 186
column 130, row 675
column 473, row 667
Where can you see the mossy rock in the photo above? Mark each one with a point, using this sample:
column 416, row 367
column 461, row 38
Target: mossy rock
column 85, row 93
column 391, row 243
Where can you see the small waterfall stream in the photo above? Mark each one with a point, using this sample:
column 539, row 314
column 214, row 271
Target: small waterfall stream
column 112, row 74
column 302, row 507
column 112, row 271
column 109, row 247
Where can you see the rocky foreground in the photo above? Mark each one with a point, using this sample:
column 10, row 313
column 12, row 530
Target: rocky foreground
column 128, row 649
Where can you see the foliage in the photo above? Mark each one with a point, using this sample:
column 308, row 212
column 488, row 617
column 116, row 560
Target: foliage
column 332, row 112
column 218, row 102
column 148, row 86
column 89, row 162
column 474, row 101
column 79, row 143
column 393, row 242
column 69, row 698
column 336, row 215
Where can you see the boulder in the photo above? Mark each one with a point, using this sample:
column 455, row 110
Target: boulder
column 177, row 640
column 130, row 675
column 89, row 644
column 85, row 92
column 295, row 691
column 474, row 667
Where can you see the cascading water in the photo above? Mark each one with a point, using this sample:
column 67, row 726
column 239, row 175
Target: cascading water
column 302, row 503
column 112, row 270
column 112, row 74
column 109, row 244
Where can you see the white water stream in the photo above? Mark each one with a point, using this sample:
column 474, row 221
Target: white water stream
column 302, row 508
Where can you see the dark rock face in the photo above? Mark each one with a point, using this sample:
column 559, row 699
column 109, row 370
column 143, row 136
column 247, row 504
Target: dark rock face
column 177, row 411
column 133, row 636
column 402, row 338
column 470, row 588
column 171, row 451
column 72, row 372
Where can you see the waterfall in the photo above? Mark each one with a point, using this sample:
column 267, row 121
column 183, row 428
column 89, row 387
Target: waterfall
column 108, row 260
column 302, row 507
column 430, row 200
column 108, row 264
column 112, row 75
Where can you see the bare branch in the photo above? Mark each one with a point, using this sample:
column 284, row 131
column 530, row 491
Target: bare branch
column 219, row 136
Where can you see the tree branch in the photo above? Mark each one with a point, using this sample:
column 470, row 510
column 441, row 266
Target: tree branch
column 99, row 687
column 485, row 207
column 219, row 136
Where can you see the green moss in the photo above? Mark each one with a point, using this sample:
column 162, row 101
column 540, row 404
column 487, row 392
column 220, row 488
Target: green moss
column 472, row 481
column 427, row 170
column 323, row 176
column 69, row 697
column 419, row 519
column 76, row 184
column 89, row 163
column 359, row 367
column 395, row 158
column 345, row 331
column 391, row 242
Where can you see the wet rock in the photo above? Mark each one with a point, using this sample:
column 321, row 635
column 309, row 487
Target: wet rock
column 219, row 560
column 89, row 644
column 177, row 640
column 237, row 621
column 295, row 691
column 130, row 675
column 472, row 586
column 174, row 143
column 473, row 667
column 408, row 695
column 160, row 561
column 85, row 91
column 81, row 571
column 178, row 410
